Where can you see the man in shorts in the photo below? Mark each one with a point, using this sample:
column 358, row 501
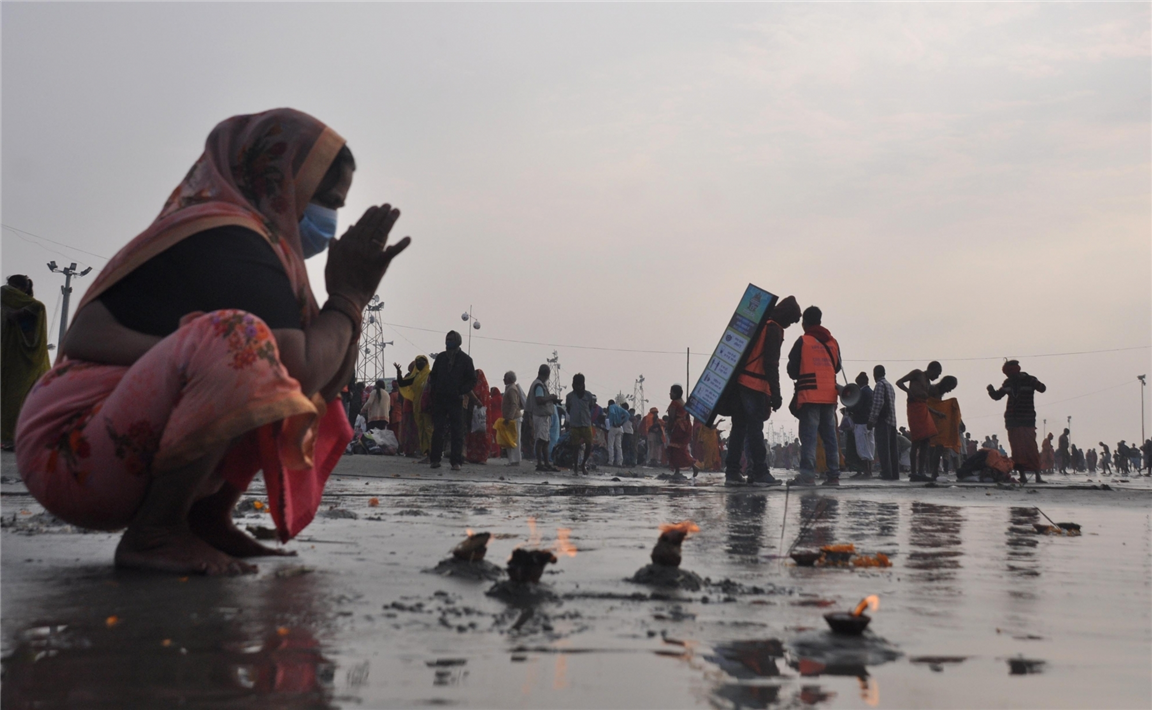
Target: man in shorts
column 578, row 404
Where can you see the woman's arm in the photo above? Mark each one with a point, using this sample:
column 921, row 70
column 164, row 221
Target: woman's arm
column 96, row 336
column 314, row 357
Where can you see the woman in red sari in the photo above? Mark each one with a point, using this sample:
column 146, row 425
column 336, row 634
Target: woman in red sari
column 476, row 442
column 679, row 433
column 199, row 357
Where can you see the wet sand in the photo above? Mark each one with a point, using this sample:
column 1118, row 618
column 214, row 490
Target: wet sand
column 977, row 610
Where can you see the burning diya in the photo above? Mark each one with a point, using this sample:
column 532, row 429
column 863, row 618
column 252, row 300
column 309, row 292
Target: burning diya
column 666, row 556
column 527, row 566
column 523, row 588
column 467, row 560
column 853, row 623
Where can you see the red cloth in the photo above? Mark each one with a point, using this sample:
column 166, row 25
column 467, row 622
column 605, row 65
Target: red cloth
column 680, row 436
column 921, row 424
column 476, row 442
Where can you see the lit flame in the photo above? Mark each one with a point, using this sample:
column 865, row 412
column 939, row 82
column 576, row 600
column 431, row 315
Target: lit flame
column 563, row 546
column 468, row 532
column 870, row 602
column 533, row 533
column 686, row 526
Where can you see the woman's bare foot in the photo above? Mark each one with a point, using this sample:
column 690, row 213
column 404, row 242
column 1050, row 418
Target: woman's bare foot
column 210, row 519
column 174, row 550
column 222, row 534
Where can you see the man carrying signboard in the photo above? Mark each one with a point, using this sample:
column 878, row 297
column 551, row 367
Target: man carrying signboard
column 813, row 364
column 755, row 396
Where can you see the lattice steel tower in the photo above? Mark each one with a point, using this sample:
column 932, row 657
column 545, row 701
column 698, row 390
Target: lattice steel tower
column 370, row 360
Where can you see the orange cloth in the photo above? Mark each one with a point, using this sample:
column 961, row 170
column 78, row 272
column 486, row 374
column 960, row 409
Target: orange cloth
column 921, row 423
column 948, row 427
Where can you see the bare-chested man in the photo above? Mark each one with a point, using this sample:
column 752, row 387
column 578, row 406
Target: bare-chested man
column 921, row 423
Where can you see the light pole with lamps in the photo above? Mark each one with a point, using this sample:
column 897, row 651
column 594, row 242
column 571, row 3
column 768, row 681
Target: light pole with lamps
column 475, row 326
column 66, row 289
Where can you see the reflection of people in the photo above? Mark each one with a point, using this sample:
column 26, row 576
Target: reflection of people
column 25, row 346
column 199, row 357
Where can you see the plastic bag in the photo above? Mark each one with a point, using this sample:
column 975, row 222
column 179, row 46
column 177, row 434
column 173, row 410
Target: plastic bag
column 386, row 441
column 479, row 420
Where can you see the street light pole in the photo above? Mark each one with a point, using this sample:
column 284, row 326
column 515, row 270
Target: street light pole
column 475, row 326
column 66, row 290
column 1143, row 384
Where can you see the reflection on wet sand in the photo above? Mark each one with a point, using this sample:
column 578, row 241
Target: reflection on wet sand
column 823, row 530
column 192, row 644
column 746, row 527
column 934, row 536
column 749, row 662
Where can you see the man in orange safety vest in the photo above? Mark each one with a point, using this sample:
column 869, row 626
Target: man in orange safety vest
column 813, row 364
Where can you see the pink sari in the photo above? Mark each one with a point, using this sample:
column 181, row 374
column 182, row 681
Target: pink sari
column 90, row 435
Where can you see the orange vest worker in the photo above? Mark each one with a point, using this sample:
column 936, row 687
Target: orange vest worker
column 754, row 375
column 817, row 381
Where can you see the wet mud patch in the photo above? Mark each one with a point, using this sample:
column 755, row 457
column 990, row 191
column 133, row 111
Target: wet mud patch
column 667, row 577
column 816, row 653
column 534, row 621
column 446, row 610
column 480, row 570
column 522, row 594
column 26, row 523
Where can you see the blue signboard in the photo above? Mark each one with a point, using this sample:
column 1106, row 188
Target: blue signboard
column 729, row 353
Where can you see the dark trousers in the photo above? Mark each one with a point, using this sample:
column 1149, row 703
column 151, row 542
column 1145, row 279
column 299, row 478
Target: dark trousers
column 628, row 443
column 448, row 419
column 887, row 451
column 749, row 412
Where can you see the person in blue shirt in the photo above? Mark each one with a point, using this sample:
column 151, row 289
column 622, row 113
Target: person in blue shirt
column 617, row 417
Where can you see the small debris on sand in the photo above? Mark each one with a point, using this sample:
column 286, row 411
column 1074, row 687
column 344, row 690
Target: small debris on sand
column 294, row 571
column 1024, row 666
column 479, row 570
column 340, row 514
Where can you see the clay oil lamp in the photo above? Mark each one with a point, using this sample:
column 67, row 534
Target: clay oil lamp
column 805, row 559
column 853, row 623
column 474, row 547
column 528, row 565
column 666, row 553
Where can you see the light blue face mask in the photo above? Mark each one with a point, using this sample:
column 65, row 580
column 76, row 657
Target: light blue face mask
column 317, row 228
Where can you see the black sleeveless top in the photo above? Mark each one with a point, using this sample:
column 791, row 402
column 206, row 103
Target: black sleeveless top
column 225, row 267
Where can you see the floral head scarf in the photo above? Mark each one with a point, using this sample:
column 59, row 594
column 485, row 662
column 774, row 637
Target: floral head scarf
column 257, row 171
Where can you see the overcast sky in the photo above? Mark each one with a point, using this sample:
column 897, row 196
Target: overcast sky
column 945, row 181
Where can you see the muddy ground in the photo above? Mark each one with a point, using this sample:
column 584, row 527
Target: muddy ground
column 977, row 610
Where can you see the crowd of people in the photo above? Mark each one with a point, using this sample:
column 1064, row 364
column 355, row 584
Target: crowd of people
column 483, row 423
